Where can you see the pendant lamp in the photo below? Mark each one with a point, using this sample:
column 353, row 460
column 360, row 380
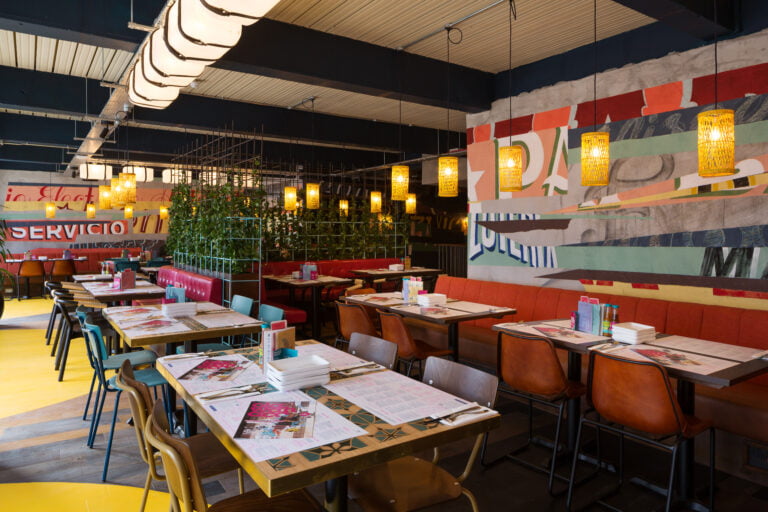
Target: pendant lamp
column 246, row 13
column 146, row 94
column 175, row 69
column 375, row 201
column 289, row 199
column 448, row 176
column 510, row 157
column 343, row 207
column 50, row 210
column 400, row 177
column 91, row 171
column 410, row 203
column 163, row 212
column 313, row 196
column 595, row 146
column 128, row 211
column 716, row 135
column 117, row 194
column 105, row 197
column 90, row 211
column 198, row 33
column 128, row 185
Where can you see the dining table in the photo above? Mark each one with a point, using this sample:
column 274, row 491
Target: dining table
column 370, row 275
column 451, row 315
column 84, row 278
column 104, row 291
column 690, row 361
column 316, row 285
column 361, row 416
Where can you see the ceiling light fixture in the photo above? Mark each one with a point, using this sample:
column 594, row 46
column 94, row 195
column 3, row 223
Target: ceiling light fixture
column 448, row 166
column 92, row 171
column 90, row 211
column 511, row 156
column 50, row 206
column 105, row 197
column 289, row 199
column 716, row 135
column 375, row 201
column 595, row 146
column 343, row 207
column 410, row 203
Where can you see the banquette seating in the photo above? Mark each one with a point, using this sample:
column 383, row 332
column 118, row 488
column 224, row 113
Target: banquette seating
column 199, row 288
column 88, row 266
column 741, row 409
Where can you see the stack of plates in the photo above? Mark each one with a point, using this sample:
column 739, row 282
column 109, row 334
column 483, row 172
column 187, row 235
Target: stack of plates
column 633, row 333
column 431, row 300
column 298, row 372
column 180, row 309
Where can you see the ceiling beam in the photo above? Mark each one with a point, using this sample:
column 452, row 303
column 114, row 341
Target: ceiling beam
column 101, row 23
column 693, row 17
column 289, row 52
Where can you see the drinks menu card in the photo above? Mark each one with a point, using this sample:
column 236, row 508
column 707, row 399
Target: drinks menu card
column 328, row 426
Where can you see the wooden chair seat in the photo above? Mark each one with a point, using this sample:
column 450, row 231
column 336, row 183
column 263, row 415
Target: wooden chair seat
column 214, row 460
column 407, row 483
column 257, row 501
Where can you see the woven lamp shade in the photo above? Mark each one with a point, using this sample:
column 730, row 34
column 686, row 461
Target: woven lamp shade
column 128, row 183
column 289, row 199
column 313, row 196
column 595, row 158
column 448, row 176
column 510, row 169
column 90, row 211
column 50, row 210
column 105, row 197
column 128, row 211
column 343, row 207
column 164, row 212
column 117, row 193
column 716, row 143
column 375, row 201
column 410, row 203
column 400, row 176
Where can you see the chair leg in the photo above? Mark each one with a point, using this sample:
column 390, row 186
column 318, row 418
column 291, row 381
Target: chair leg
column 712, row 469
column 145, row 494
column 57, row 337
column 671, row 483
column 471, row 497
column 65, row 334
column 51, row 323
column 553, row 464
column 240, row 481
column 96, row 417
column 111, row 436
column 90, row 394
column 569, row 497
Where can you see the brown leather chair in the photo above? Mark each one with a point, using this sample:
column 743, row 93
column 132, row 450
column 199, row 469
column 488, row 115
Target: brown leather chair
column 409, row 350
column 206, row 449
column 352, row 318
column 183, row 473
column 411, row 483
column 529, row 367
column 62, row 270
column 635, row 399
column 30, row 270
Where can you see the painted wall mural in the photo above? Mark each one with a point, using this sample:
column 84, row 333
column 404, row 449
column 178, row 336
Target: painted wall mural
column 657, row 215
column 24, row 199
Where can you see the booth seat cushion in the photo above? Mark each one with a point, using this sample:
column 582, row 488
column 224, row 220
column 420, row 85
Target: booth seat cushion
column 198, row 288
column 88, row 266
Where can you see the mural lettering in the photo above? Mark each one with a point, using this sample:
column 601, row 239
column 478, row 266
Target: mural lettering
column 61, row 231
column 484, row 241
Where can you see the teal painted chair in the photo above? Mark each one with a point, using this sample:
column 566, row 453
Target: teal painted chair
column 127, row 264
column 241, row 304
column 150, row 376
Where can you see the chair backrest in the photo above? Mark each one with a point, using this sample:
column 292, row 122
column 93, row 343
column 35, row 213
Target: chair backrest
column 63, row 268
column 463, row 381
column 394, row 329
column 180, row 468
column 353, row 318
column 140, row 400
column 530, row 364
column 633, row 393
column 359, row 291
column 122, row 265
column 242, row 304
column 373, row 349
column 269, row 313
column 96, row 342
column 31, row 268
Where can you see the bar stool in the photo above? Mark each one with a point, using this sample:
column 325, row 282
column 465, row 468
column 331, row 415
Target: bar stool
column 29, row 269
column 635, row 399
column 529, row 366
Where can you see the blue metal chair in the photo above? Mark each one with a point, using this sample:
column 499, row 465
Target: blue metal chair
column 150, row 376
column 241, row 304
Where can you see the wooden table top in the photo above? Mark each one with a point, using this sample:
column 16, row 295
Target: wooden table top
column 732, row 363
column 103, row 292
column 81, row 278
column 140, row 326
column 307, row 283
column 385, row 272
column 302, row 468
column 453, row 312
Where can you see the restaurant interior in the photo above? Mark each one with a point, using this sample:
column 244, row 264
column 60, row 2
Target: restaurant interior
column 273, row 254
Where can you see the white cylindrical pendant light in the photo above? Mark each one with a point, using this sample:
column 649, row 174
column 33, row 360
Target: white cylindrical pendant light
column 145, row 94
column 245, row 13
column 158, row 77
column 197, row 33
column 91, row 171
column 175, row 176
column 143, row 174
column 166, row 62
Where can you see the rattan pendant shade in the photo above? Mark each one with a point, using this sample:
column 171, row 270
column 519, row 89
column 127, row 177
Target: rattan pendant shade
column 510, row 169
column 448, row 176
column 313, row 196
column 375, row 201
column 289, row 199
column 400, row 176
column 716, row 143
column 595, row 158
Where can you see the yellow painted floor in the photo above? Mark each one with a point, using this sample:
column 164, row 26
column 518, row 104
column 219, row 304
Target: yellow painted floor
column 77, row 497
column 19, row 308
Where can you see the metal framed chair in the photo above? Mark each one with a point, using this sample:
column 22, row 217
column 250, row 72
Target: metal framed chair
column 62, row 270
column 531, row 371
column 183, row 473
column 352, row 318
column 411, row 483
column 634, row 399
column 29, row 270
column 409, row 350
column 239, row 303
column 373, row 349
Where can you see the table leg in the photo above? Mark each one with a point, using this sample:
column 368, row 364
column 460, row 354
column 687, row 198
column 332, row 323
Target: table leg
column 574, row 404
column 453, row 339
column 316, row 312
column 336, row 494
column 686, row 395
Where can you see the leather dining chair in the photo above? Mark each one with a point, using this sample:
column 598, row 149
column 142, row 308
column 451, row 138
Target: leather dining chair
column 62, row 270
column 635, row 399
column 183, row 467
column 373, row 349
column 213, row 458
column 531, row 371
column 411, row 483
column 29, row 270
column 352, row 318
column 409, row 350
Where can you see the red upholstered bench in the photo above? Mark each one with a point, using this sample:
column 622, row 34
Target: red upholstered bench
column 199, row 288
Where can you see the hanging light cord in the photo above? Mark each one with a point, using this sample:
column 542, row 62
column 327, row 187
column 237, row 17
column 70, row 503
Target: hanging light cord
column 714, row 2
column 512, row 14
column 594, row 63
column 448, row 43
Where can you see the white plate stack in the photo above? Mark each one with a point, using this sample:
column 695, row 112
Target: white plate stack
column 180, row 309
column 633, row 333
column 431, row 300
column 298, row 372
